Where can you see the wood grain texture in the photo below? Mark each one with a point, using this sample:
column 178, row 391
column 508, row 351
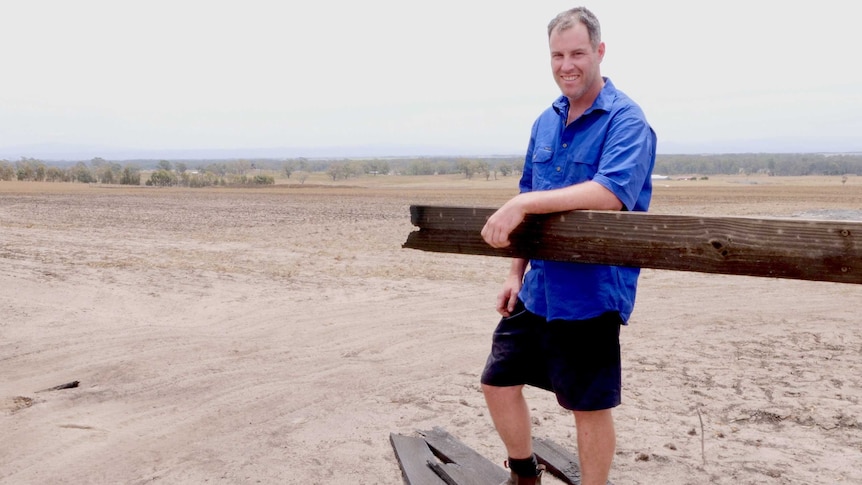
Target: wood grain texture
column 415, row 459
column 815, row 250
column 472, row 467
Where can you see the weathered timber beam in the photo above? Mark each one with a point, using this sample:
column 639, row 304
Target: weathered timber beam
column 414, row 456
column 812, row 250
column 471, row 467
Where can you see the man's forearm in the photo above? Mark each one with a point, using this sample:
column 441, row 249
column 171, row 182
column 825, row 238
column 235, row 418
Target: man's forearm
column 517, row 268
column 584, row 196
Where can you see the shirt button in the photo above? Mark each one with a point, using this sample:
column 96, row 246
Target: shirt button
column 565, row 145
column 558, row 169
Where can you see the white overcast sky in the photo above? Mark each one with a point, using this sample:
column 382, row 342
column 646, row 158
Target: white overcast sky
column 449, row 73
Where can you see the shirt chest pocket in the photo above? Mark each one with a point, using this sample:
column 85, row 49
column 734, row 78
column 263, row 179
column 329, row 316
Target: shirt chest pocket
column 562, row 170
column 543, row 169
column 577, row 170
column 543, row 154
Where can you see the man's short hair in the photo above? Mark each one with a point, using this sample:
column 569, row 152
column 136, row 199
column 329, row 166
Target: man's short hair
column 570, row 18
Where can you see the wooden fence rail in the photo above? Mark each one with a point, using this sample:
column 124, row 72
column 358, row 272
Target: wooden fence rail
column 815, row 250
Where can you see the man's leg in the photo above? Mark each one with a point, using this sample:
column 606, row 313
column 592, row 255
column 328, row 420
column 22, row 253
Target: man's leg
column 511, row 417
column 596, row 443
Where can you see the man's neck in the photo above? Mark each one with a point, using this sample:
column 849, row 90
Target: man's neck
column 583, row 103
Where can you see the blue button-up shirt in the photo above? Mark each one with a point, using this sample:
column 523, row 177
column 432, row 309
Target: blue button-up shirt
column 612, row 144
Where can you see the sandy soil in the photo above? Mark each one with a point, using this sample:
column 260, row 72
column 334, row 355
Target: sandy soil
column 279, row 335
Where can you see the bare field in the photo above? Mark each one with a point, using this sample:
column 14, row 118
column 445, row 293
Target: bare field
column 279, row 334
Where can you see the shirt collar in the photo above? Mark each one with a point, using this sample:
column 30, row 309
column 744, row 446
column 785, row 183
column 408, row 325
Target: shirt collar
column 604, row 101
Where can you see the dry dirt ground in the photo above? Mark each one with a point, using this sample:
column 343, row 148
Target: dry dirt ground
column 279, row 335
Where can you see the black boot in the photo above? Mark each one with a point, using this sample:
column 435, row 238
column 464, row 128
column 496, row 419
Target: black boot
column 516, row 479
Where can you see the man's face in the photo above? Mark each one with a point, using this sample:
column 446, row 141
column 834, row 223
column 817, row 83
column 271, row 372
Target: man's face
column 574, row 62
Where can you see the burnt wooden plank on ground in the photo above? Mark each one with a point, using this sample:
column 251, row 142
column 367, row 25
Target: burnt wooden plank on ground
column 68, row 385
column 414, row 456
column 474, row 468
column 439, row 458
column 557, row 460
column 452, row 473
column 814, row 250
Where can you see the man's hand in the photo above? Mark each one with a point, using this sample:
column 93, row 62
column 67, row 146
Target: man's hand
column 508, row 296
column 502, row 222
column 585, row 195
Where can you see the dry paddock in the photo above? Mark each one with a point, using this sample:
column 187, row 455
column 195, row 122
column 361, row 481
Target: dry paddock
column 279, row 334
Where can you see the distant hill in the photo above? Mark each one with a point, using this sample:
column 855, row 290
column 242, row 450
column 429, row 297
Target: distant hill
column 67, row 152
column 764, row 145
column 75, row 152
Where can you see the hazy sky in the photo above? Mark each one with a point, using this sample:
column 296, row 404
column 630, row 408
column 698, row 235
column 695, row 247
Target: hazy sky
column 466, row 74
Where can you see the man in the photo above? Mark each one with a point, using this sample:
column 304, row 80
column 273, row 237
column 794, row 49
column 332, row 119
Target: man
column 592, row 149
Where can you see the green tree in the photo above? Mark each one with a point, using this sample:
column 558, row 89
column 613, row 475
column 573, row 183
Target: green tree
column 55, row 174
column 240, row 167
column 130, row 176
column 422, row 166
column 338, row 171
column 377, row 167
column 41, row 172
column 288, row 167
column 7, row 171
column 162, row 178
column 81, row 173
column 107, row 173
column 97, row 163
column 261, row 179
column 302, row 164
column 483, row 167
column 472, row 167
column 25, row 170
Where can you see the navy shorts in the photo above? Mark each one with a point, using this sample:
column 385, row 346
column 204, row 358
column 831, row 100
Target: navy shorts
column 578, row 360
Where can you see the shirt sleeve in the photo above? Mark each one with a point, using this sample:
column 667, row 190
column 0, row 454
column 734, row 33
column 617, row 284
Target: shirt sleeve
column 627, row 158
column 526, row 183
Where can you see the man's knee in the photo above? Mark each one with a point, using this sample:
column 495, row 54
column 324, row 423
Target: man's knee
column 590, row 415
column 500, row 394
column 594, row 419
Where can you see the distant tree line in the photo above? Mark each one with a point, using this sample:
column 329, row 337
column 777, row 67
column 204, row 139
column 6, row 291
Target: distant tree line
column 785, row 164
column 469, row 167
column 164, row 173
column 99, row 170
column 207, row 173
column 177, row 174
